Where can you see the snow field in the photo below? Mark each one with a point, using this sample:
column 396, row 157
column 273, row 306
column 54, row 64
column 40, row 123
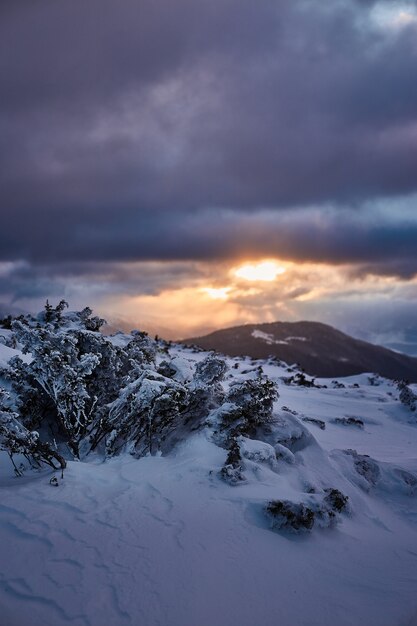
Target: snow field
column 163, row 541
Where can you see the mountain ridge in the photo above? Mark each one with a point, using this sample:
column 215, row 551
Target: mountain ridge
column 320, row 349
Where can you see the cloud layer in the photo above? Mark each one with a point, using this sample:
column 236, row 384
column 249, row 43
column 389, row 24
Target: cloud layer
column 147, row 145
column 134, row 130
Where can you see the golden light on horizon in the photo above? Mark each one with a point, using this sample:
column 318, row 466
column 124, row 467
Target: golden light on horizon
column 227, row 295
column 263, row 271
column 217, row 293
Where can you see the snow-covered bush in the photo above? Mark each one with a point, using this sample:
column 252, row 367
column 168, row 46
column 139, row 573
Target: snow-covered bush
column 141, row 348
column 86, row 391
column 16, row 439
column 256, row 399
column 349, row 421
column 58, row 372
column 313, row 420
column 286, row 515
column 299, row 517
column 232, row 470
column 250, row 404
column 210, row 370
column 74, row 375
column 205, row 391
column 145, row 414
column 407, row 396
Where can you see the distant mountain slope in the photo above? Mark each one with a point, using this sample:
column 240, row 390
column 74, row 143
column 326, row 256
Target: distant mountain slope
column 318, row 348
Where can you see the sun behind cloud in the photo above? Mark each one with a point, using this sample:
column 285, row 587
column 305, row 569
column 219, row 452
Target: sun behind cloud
column 217, row 293
column 266, row 270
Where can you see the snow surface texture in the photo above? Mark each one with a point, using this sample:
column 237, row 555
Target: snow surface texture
column 164, row 541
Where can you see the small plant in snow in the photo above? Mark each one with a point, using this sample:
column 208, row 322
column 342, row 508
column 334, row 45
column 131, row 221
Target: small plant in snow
column 407, row 397
column 232, row 470
column 299, row 517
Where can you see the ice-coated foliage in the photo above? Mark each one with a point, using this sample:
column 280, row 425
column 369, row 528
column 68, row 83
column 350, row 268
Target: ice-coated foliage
column 145, row 413
column 74, row 375
column 407, row 397
column 255, row 397
column 232, row 470
column 89, row 321
column 141, row 348
column 86, row 391
column 297, row 517
column 16, row 439
column 205, row 390
column 248, row 405
column 58, row 373
column 210, row 370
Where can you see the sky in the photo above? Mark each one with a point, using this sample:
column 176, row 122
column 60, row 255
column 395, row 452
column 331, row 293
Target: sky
column 190, row 165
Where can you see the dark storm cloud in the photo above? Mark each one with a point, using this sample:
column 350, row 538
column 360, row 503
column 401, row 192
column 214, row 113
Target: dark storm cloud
column 93, row 245
column 128, row 128
column 89, row 280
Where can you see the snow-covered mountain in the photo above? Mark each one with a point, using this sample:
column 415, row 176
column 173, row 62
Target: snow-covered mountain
column 318, row 348
column 199, row 490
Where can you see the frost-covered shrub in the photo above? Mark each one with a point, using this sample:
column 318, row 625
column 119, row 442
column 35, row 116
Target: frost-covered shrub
column 145, row 414
column 301, row 380
column 75, row 373
column 205, row 390
column 407, row 397
column 336, row 500
column 317, row 422
column 77, row 386
column 52, row 314
column 286, row 515
column 56, row 318
column 141, row 348
column 255, row 398
column 89, row 321
column 349, row 421
column 29, row 399
column 301, row 517
column 16, row 439
column 210, row 370
column 232, row 470
column 167, row 369
column 6, row 322
column 114, row 370
column 248, row 405
column 58, row 372
column 88, row 392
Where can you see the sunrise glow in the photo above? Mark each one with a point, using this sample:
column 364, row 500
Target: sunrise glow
column 264, row 271
column 217, row 293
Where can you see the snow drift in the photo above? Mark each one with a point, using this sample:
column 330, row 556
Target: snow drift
column 154, row 484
